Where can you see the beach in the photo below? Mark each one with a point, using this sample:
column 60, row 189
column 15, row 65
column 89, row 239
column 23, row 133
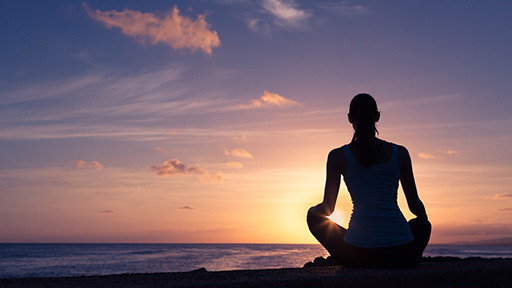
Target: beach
column 441, row 272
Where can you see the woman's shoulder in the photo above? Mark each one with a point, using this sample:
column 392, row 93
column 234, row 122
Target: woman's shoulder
column 338, row 151
column 401, row 149
column 404, row 159
column 337, row 160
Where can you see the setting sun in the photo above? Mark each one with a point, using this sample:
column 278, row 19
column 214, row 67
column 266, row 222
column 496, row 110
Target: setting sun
column 338, row 217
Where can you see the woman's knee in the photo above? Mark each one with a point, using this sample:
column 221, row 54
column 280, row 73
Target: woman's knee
column 314, row 216
column 310, row 216
column 420, row 225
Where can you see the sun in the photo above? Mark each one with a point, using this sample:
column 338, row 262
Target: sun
column 337, row 217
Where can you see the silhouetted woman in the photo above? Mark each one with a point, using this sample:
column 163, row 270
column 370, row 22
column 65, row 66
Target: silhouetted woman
column 378, row 235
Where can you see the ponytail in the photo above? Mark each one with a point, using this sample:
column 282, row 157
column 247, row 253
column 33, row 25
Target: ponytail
column 363, row 112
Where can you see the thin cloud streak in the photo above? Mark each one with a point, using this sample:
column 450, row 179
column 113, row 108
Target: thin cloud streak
column 285, row 12
column 426, row 155
column 174, row 167
column 92, row 165
column 473, row 229
column 111, row 211
column 238, row 152
column 170, row 28
column 186, row 207
column 271, row 100
column 344, row 8
column 147, row 99
column 233, row 164
column 159, row 149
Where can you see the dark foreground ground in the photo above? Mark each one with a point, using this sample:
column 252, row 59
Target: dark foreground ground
column 434, row 273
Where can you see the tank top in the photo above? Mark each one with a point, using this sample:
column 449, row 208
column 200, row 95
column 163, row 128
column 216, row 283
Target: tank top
column 376, row 220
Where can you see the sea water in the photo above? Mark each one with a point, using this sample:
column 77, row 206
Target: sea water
column 53, row 260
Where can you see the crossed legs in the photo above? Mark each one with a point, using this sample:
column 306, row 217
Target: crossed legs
column 331, row 236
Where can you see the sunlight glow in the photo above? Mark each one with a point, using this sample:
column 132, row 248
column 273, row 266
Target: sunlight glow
column 337, row 217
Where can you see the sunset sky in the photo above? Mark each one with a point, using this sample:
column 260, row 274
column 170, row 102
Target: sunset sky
column 211, row 121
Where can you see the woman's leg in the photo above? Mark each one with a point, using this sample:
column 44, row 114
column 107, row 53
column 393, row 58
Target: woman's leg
column 327, row 232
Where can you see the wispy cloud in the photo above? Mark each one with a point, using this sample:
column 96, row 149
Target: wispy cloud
column 473, row 229
column 286, row 13
column 237, row 152
column 426, row 155
column 503, row 196
column 451, row 152
column 344, row 7
column 176, row 168
column 108, row 211
column 170, row 28
column 93, row 165
column 174, row 132
column 233, row 164
column 505, row 209
column 83, row 56
column 159, row 149
column 113, row 103
column 242, row 137
column 271, row 100
column 186, row 207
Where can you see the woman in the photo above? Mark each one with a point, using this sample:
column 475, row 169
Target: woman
column 378, row 235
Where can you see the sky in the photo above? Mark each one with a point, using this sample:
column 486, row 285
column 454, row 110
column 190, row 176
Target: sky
column 211, row 121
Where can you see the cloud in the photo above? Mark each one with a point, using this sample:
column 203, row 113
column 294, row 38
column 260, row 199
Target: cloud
column 242, row 137
column 108, row 211
column 503, row 196
column 170, row 28
column 238, row 152
column 426, row 155
column 218, row 176
column 505, row 209
column 174, row 132
column 451, row 152
column 345, row 8
column 269, row 100
column 473, row 229
column 233, row 164
column 186, row 207
column 285, row 12
column 159, row 149
column 136, row 107
column 83, row 56
column 176, row 168
column 92, row 165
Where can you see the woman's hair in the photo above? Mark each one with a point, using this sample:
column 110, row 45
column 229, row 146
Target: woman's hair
column 363, row 114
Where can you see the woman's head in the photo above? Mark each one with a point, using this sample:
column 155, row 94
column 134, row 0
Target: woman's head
column 363, row 108
column 363, row 115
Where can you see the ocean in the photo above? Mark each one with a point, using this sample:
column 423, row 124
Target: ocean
column 53, row 260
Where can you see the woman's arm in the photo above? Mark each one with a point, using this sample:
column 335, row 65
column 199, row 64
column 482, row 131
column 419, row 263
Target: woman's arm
column 408, row 184
column 332, row 183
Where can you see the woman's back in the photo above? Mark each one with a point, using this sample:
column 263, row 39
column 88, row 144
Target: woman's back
column 376, row 220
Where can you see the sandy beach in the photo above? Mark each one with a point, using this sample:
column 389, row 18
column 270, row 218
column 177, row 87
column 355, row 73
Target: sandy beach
column 438, row 273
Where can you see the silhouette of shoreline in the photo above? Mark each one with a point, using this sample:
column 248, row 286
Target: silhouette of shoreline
column 472, row 272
